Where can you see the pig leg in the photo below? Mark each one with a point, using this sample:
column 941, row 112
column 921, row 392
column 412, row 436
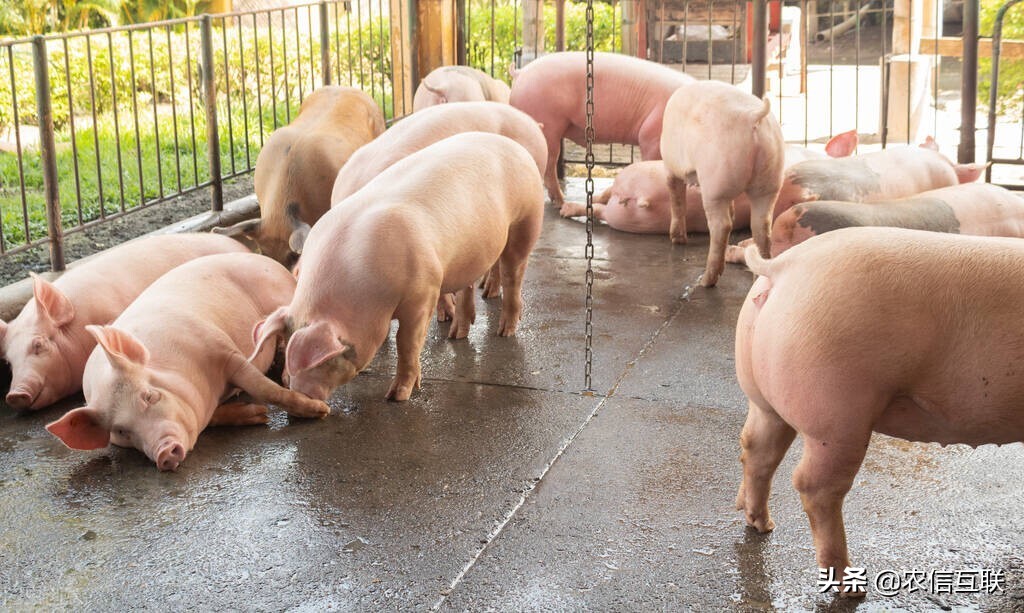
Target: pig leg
column 465, row 313
column 445, row 307
column 521, row 239
column 413, row 320
column 250, row 380
column 491, row 283
column 579, row 209
column 761, row 206
column 823, row 477
column 239, row 414
column 553, row 135
column 736, row 254
column 765, row 440
column 719, row 212
column 677, row 229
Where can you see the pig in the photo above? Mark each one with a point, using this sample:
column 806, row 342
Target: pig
column 429, row 126
column 162, row 370
column 47, row 344
column 639, row 200
column 729, row 143
column 978, row 209
column 629, row 101
column 297, row 166
column 430, row 224
column 458, row 84
column 888, row 174
column 867, row 330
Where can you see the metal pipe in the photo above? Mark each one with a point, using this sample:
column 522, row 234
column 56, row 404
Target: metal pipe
column 48, row 153
column 993, row 93
column 559, row 25
column 325, row 44
column 969, row 82
column 210, row 98
column 759, row 60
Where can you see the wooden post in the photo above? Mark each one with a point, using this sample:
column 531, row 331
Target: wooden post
column 630, row 32
column 909, row 71
column 403, row 23
column 907, row 21
column 533, row 30
column 435, row 36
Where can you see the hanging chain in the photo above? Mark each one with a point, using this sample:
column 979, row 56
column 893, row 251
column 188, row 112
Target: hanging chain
column 589, row 251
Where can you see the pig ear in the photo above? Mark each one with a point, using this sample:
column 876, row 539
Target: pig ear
column 122, row 348
column 969, row 173
column 842, row 145
column 312, row 346
column 80, row 429
column 52, row 301
column 298, row 238
column 929, row 143
column 246, row 232
column 271, row 327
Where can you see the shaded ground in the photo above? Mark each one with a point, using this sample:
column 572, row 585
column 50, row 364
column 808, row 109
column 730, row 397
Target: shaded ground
column 500, row 486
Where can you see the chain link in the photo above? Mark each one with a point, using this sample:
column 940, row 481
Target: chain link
column 589, row 251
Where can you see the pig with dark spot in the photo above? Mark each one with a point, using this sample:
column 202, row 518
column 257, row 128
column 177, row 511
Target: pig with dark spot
column 458, row 84
column 431, row 224
column 979, row 209
column 729, row 143
column 163, row 369
column 47, row 344
column 912, row 334
column 630, row 95
column 297, row 166
column 640, row 201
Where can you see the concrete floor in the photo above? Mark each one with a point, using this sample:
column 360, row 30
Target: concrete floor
column 499, row 486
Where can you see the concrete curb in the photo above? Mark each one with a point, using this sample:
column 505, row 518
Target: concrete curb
column 14, row 296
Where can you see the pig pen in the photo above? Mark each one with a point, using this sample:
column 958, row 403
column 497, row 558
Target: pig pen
column 499, row 485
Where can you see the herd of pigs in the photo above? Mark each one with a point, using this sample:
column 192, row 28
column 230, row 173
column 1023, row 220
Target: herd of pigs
column 913, row 330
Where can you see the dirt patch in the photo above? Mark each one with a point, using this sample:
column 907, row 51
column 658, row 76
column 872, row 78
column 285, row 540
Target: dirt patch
column 103, row 236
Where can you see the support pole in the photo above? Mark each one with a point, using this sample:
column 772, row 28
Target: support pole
column 969, row 83
column 210, row 102
column 325, row 44
column 533, row 30
column 436, row 36
column 759, row 59
column 48, row 154
column 403, row 23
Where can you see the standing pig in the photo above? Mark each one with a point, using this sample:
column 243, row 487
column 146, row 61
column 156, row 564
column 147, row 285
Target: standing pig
column 979, row 209
column 731, row 143
column 430, row 224
column 47, row 345
column 629, row 101
column 913, row 334
column 161, row 370
column 297, row 165
column 458, row 84
column 640, row 200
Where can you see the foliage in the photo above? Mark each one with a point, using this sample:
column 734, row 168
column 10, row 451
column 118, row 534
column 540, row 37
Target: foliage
column 1010, row 92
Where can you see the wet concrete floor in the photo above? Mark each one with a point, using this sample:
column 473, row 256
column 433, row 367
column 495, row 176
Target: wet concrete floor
column 500, row 486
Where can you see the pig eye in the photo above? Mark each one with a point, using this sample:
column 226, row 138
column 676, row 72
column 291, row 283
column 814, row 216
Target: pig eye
column 38, row 346
column 123, row 434
column 151, row 396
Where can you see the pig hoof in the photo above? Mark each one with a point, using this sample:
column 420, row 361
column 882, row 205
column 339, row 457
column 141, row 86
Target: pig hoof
column 761, row 525
column 458, row 330
column 399, row 393
column 857, row 592
column 679, row 239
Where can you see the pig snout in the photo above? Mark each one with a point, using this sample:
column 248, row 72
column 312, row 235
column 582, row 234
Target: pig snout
column 23, row 395
column 169, row 455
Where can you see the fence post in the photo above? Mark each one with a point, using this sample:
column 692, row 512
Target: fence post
column 758, row 59
column 210, row 98
column 559, row 25
column 969, row 83
column 48, row 154
column 460, row 32
column 325, row 43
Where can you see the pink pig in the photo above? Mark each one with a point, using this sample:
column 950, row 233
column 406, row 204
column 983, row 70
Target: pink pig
column 47, row 344
column 458, row 84
column 629, row 101
column 912, row 334
column 162, row 370
column 640, row 201
column 430, row 224
column 726, row 140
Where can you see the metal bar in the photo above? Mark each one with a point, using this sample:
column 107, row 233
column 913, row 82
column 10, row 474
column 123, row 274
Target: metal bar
column 284, row 69
column 95, row 126
column 210, row 98
column 17, row 144
column 559, row 24
column 191, row 107
column 886, row 73
column 298, row 55
column 759, row 63
column 359, row 38
column 259, row 91
column 174, row 108
column 245, row 101
column 227, row 92
column 325, row 44
column 156, row 122
column 969, row 83
column 48, row 154
column 135, row 115
column 74, row 137
column 460, row 32
column 312, row 53
column 993, row 92
column 117, row 121
column 273, row 68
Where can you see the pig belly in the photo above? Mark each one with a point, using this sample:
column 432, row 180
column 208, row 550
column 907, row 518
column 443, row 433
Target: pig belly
column 654, row 219
column 915, row 419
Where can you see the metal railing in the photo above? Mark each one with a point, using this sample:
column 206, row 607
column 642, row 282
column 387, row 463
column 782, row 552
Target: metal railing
column 116, row 120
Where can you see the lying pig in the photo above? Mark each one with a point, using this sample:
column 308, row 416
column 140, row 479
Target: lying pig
column 163, row 368
column 729, row 143
column 629, row 101
column 430, row 224
column 816, row 356
column 888, row 174
column 458, row 84
column 297, row 165
column 640, row 200
column 47, row 344
column 979, row 209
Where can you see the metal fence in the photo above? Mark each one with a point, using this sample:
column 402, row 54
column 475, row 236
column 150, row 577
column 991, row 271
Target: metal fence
column 106, row 122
